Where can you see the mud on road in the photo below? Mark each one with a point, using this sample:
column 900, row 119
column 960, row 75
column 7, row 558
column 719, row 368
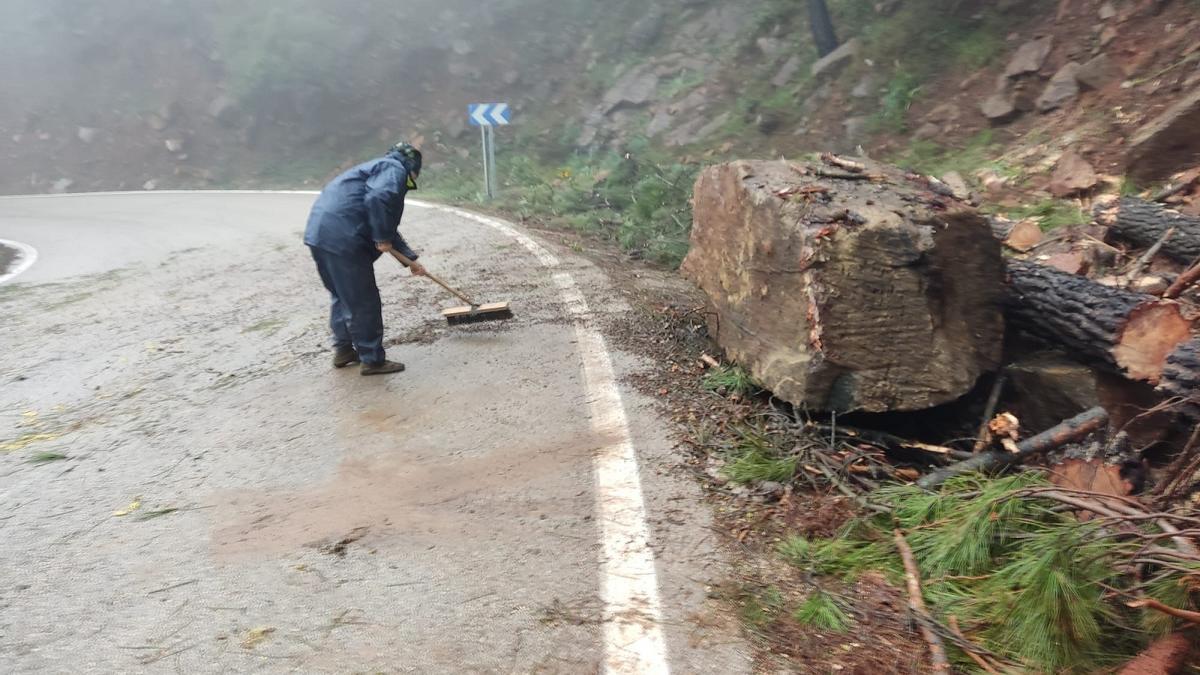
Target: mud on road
column 188, row 485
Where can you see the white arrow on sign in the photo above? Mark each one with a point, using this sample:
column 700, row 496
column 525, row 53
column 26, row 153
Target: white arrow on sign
column 489, row 114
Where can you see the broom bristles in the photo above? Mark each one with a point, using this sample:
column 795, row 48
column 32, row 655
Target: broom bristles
column 480, row 317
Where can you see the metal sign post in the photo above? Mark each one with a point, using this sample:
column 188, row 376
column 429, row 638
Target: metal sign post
column 488, row 116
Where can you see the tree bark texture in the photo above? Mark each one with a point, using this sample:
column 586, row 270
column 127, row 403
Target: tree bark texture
column 1130, row 333
column 1144, row 223
column 1181, row 377
column 847, row 285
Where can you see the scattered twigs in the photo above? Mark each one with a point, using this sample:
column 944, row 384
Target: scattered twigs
column 1186, row 615
column 916, row 604
column 962, row 640
column 1182, row 469
column 1070, row 430
column 710, row 361
column 843, row 163
column 886, row 440
column 989, row 411
column 1122, row 509
column 1183, row 282
column 1142, row 262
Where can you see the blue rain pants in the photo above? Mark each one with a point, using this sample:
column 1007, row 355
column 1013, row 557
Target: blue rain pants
column 356, row 312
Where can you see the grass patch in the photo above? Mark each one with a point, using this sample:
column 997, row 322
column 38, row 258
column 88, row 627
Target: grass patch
column 934, row 159
column 901, row 90
column 46, row 457
column 681, row 84
column 1052, row 214
column 155, row 513
column 730, row 380
column 761, row 607
column 821, row 611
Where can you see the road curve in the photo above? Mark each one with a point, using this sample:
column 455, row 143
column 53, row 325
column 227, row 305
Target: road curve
column 192, row 487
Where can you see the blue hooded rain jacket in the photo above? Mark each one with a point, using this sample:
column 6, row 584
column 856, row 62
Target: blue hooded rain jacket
column 360, row 207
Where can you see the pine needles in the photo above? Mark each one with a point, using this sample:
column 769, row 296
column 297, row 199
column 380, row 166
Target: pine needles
column 822, row 611
column 1027, row 579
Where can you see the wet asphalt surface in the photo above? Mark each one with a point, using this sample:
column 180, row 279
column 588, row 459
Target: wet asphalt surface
column 187, row 486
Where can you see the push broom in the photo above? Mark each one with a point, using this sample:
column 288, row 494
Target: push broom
column 474, row 313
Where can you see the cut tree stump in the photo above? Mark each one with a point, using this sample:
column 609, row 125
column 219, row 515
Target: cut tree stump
column 847, row 286
column 1145, row 223
column 1128, row 332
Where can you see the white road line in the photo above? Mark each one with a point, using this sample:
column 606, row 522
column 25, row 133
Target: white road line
column 26, row 256
column 633, row 635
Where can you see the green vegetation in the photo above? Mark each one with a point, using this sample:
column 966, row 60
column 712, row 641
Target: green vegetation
column 901, row 90
column 822, row 611
column 639, row 200
column 1031, row 582
column 46, row 457
column 1052, row 214
column 758, row 455
column 761, row 607
column 934, row 159
column 730, row 380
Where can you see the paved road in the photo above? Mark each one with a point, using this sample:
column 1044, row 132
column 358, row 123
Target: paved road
column 187, row 486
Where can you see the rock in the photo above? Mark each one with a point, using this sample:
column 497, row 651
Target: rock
column 633, row 89
column 827, row 301
column 1099, row 72
column 771, row 490
column 1024, row 236
column 833, row 62
column 1168, row 143
column 1061, row 88
column 1107, row 35
column 645, row 30
column 999, row 108
column 1049, row 388
column 1107, row 11
column 659, row 123
column 1072, row 175
column 223, row 109
column 927, row 131
column 150, row 185
column 86, row 134
column 1029, row 57
column 944, row 113
column 174, row 145
column 1150, row 285
column 462, row 47
column 856, row 127
column 865, row 87
column 771, row 47
column 788, row 71
column 156, row 122
column 957, row 185
column 61, row 185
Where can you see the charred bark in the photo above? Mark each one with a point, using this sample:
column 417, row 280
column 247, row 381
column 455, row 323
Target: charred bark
column 1181, row 377
column 1130, row 333
column 823, row 32
column 1144, row 223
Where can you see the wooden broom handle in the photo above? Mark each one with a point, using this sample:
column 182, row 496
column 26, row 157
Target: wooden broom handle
column 404, row 260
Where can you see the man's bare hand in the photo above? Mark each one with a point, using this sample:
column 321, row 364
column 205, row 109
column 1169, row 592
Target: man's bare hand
column 418, row 270
column 383, row 246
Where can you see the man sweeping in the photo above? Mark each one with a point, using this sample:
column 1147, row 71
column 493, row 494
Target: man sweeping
column 353, row 222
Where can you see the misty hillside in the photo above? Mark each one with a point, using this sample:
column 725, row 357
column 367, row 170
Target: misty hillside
column 616, row 104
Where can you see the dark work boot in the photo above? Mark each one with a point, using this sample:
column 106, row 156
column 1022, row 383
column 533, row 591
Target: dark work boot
column 385, row 368
column 344, row 356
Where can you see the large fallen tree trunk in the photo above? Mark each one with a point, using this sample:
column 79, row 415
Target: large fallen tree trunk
column 1144, row 223
column 847, row 285
column 1130, row 333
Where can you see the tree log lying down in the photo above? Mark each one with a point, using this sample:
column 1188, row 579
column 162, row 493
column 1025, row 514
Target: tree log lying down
column 847, row 285
column 1144, row 223
column 1181, row 377
column 1073, row 429
column 1128, row 332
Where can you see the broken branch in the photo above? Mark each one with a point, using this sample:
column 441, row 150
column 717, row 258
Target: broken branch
column 1186, row 615
column 916, row 604
column 1075, row 428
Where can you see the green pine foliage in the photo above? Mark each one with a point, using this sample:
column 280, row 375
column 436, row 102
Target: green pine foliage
column 821, row 611
column 1027, row 579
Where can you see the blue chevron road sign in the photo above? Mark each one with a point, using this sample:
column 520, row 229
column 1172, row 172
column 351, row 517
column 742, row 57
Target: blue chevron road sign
column 489, row 114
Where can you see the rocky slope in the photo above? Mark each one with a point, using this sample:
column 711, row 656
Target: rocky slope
column 210, row 93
